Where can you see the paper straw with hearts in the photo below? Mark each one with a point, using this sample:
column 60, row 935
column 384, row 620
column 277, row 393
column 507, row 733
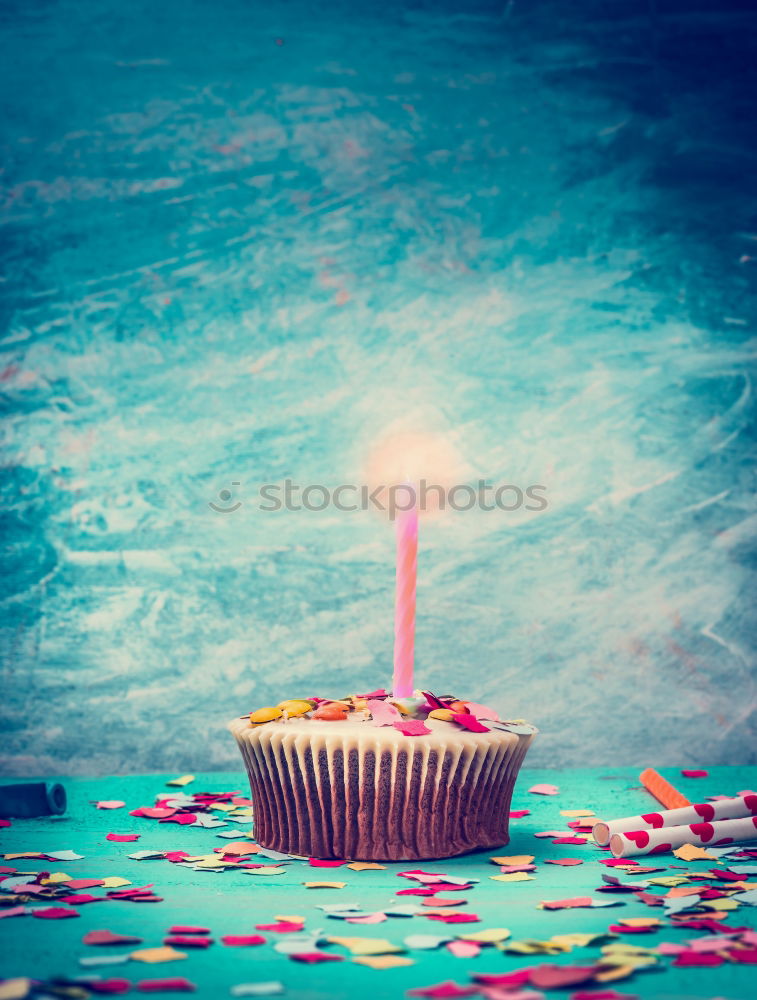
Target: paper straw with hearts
column 741, row 805
column 668, row 838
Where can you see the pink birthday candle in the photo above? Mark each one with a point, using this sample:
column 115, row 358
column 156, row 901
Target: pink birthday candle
column 404, row 606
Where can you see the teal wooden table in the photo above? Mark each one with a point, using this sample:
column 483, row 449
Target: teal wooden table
column 232, row 902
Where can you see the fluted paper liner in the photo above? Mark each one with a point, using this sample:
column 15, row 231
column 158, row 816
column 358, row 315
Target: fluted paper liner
column 357, row 791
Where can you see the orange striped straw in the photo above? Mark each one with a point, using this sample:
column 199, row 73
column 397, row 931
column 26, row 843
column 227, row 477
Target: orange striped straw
column 662, row 790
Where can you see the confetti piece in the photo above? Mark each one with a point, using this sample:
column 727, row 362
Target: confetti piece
column 425, row 942
column 153, row 956
column 490, row 936
column 243, row 940
column 269, row 989
column 463, row 949
column 176, row 985
column 566, row 862
column 315, row 863
column 239, row 847
column 691, row 852
column 454, row 918
column 366, row 946
column 577, row 812
column 412, row 727
column 519, row 813
column 281, row 927
column 324, row 885
column 110, row 804
column 688, row 958
column 383, row 961
column 695, row 774
column 554, row 977
column 181, row 941
column 567, row 904
column 313, row 957
column 185, row 779
column 13, row 911
column 570, row 840
column 544, row 790
column 265, row 870
column 514, row 859
column 469, row 721
column 122, row 838
column 54, row 913
column 289, row 918
column 436, row 901
column 188, row 929
column 365, row 866
column 93, row 961
column 513, row 877
column 115, row 882
column 383, row 714
column 372, row 918
column 444, row 990
column 109, row 937
column 109, row 986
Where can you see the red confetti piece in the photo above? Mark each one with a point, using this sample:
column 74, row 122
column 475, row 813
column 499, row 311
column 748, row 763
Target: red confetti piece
column 519, row 813
column 82, row 883
column 420, row 891
column 150, row 812
column 412, row 727
column 312, row 957
column 108, row 937
column 503, row 978
column 175, row 985
column 445, row 990
column 454, row 918
column 184, row 819
column 109, row 985
column 122, row 838
column 4, row 822
column 185, row 941
column 565, row 862
column 469, row 722
column 747, row 956
column 687, row 958
column 79, row 899
column 243, row 940
column 54, row 913
column 622, row 929
column 601, row 995
column 695, row 774
column 315, row 863
column 175, row 856
column 188, row 929
column 569, row 840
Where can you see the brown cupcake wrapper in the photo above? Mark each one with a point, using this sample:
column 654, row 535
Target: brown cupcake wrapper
column 327, row 798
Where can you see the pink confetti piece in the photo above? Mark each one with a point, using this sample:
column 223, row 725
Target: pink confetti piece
column 54, row 913
column 412, row 727
column 383, row 714
column 469, row 722
column 747, row 956
column 243, row 940
column 516, row 978
column 150, row 812
column 109, row 937
column 174, row 985
column 519, row 813
column 421, row 876
column 464, row 949
column 454, row 918
column 695, row 774
column 512, row 869
column 544, row 790
column 281, row 927
column 187, row 941
column 122, row 838
column 565, row 862
column 623, row 929
column 570, row 840
column 78, row 899
column 567, row 904
column 444, row 991
column 549, row 833
column 14, row 911
column 554, row 977
column 372, row 918
column 315, row 863
column 188, row 929
column 110, row 804
column 4, row 822
column 482, row 711
column 602, row 995
column 184, row 819
column 313, row 957
column 82, row 883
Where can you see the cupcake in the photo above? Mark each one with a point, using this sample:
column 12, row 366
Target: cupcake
column 378, row 779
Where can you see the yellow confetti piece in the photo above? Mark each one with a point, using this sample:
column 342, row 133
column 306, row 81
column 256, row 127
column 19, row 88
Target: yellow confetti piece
column 615, row 972
column 267, row 870
column 490, row 936
column 514, row 859
column 26, row 854
column 640, row 922
column 223, row 807
column 289, row 919
column 668, row 880
column 15, row 989
column 365, row 866
column 57, row 877
column 577, row 813
column 513, row 877
column 383, row 961
column 324, row 885
column 185, row 779
column 720, row 904
column 153, row 956
column 691, row 852
column 577, row 940
column 115, row 882
column 366, row 945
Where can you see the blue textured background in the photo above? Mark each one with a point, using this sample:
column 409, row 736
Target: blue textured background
column 239, row 239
